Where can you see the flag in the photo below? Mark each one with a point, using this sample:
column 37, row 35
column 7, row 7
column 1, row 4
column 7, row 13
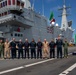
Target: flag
column 52, row 18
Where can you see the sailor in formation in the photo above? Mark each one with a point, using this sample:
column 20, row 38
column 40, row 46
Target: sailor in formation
column 20, row 49
column 7, row 49
column 1, row 49
column 45, row 49
column 13, row 48
column 26, row 48
column 32, row 50
column 39, row 49
column 59, row 44
column 52, row 48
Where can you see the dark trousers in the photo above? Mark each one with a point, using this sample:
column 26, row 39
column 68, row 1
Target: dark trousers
column 39, row 53
column 59, row 52
column 20, row 52
column 13, row 53
column 1, row 53
column 27, row 52
column 33, row 52
column 52, row 53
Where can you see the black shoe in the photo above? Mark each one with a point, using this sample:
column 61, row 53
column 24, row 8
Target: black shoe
column 40, row 57
column 37, row 57
column 4, row 58
column 61, row 57
column 57, row 57
column 28, row 58
column 18, row 58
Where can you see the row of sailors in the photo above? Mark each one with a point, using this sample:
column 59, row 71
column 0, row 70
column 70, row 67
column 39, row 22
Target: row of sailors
column 42, row 49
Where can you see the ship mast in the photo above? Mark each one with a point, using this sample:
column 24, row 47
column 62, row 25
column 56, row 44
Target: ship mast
column 64, row 2
column 64, row 22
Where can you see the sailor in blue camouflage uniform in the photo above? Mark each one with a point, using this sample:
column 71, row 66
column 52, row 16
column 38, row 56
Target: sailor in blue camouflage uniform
column 33, row 48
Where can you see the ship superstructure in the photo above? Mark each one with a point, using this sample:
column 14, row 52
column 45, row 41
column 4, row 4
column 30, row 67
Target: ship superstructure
column 19, row 20
column 66, row 27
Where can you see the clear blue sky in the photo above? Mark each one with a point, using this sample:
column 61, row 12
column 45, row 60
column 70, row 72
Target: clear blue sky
column 53, row 5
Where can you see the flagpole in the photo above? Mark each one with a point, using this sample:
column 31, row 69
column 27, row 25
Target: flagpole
column 42, row 7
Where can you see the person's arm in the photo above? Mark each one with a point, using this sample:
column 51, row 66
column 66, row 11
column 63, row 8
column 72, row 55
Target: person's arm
column 10, row 45
column 17, row 46
column 35, row 44
column 42, row 44
column 3, row 45
column 63, row 44
column 49, row 44
column 23, row 44
column 30, row 44
column 56, row 42
column 54, row 45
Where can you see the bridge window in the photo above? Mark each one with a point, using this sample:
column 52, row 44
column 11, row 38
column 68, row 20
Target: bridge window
column 22, row 4
column 13, row 1
column 1, row 4
column 15, row 34
column 9, row 2
column 18, row 35
column 5, row 3
column 21, row 35
column 18, row 3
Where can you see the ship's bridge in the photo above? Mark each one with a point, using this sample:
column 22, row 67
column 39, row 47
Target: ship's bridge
column 11, row 13
column 5, row 5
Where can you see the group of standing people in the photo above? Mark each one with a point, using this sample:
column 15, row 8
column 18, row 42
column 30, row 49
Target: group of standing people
column 32, row 49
